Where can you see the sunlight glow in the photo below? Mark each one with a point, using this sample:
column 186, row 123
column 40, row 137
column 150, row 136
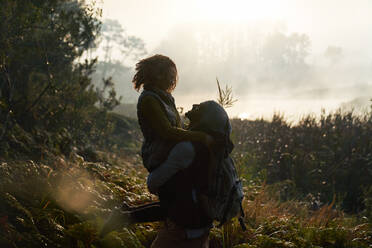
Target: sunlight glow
column 238, row 10
column 243, row 116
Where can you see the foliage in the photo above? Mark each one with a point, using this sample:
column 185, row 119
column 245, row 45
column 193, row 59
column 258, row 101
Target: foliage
column 45, row 85
column 322, row 159
column 48, row 214
column 290, row 224
column 63, row 203
column 113, row 36
column 278, row 214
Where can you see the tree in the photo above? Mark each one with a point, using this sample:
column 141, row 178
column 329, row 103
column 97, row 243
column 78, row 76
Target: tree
column 281, row 54
column 43, row 82
column 286, row 50
column 114, row 37
column 118, row 50
column 334, row 54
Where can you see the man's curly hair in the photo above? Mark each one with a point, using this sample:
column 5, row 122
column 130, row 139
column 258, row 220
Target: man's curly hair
column 158, row 70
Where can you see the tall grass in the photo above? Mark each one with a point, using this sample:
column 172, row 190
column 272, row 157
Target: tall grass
column 291, row 224
column 319, row 158
column 283, row 167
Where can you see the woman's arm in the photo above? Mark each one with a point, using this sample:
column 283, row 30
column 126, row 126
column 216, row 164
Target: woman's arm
column 154, row 114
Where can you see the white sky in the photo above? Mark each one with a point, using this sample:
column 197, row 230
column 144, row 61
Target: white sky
column 338, row 22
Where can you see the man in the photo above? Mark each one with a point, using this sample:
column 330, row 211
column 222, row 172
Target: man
column 181, row 181
column 184, row 177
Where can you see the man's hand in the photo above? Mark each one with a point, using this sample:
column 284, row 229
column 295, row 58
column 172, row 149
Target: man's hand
column 213, row 143
column 209, row 141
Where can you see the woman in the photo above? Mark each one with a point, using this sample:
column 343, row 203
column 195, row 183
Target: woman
column 157, row 114
column 161, row 127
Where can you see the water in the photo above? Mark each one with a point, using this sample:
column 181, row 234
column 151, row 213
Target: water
column 264, row 106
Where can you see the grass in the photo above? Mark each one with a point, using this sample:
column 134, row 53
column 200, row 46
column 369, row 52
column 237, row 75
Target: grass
column 272, row 223
column 37, row 208
column 63, row 201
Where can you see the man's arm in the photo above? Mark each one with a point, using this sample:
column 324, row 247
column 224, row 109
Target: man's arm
column 154, row 114
column 180, row 157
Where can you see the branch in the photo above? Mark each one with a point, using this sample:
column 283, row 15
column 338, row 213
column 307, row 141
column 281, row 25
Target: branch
column 50, row 82
column 9, row 110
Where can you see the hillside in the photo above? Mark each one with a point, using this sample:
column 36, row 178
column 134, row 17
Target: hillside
column 127, row 109
column 62, row 201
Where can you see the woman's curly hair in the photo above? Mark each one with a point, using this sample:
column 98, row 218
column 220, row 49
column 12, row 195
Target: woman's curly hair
column 158, row 70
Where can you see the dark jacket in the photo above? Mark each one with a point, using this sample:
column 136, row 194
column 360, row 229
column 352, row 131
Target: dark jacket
column 180, row 195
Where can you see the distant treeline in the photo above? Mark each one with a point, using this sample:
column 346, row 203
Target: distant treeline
column 317, row 159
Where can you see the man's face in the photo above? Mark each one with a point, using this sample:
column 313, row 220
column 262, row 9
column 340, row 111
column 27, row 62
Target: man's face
column 194, row 114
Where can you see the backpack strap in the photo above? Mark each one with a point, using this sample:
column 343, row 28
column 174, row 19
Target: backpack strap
column 228, row 206
column 241, row 219
column 242, row 215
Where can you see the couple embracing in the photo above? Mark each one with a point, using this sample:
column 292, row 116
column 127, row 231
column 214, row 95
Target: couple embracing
column 190, row 169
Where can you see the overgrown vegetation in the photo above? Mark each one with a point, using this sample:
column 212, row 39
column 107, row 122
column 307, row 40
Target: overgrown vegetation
column 45, row 85
column 66, row 160
column 316, row 159
column 63, row 202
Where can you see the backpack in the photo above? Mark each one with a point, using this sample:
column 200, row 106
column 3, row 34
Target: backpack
column 223, row 200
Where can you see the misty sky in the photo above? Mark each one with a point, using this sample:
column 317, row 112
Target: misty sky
column 172, row 26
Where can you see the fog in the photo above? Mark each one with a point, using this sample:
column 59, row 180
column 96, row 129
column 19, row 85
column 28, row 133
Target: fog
column 295, row 66
column 268, row 68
